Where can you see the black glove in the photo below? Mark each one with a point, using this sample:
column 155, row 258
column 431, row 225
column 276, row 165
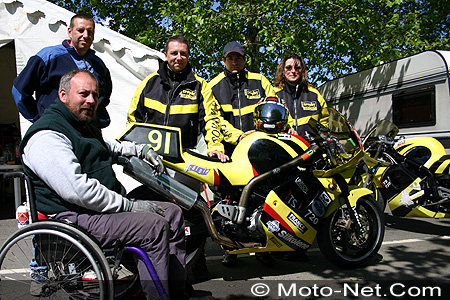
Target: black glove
column 145, row 206
column 154, row 158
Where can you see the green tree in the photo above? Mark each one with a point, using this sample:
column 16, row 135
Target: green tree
column 335, row 36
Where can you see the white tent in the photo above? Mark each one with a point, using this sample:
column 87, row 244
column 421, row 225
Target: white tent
column 26, row 26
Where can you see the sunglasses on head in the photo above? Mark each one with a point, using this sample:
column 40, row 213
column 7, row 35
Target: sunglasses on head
column 297, row 68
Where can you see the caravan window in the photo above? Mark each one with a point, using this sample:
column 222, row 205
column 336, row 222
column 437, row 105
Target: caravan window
column 414, row 107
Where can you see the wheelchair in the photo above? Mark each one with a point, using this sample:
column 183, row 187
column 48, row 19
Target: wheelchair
column 51, row 259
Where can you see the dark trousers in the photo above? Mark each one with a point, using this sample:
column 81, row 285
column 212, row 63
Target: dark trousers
column 162, row 238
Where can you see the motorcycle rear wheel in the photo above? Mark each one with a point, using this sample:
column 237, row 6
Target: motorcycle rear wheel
column 344, row 247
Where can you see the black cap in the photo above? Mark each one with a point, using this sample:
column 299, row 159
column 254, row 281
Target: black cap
column 233, row 47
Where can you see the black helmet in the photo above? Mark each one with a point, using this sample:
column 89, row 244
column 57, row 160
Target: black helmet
column 271, row 116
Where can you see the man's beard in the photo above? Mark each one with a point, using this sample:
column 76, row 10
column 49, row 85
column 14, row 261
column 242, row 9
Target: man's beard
column 85, row 116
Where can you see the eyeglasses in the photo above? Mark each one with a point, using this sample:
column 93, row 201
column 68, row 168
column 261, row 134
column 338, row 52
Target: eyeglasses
column 297, row 68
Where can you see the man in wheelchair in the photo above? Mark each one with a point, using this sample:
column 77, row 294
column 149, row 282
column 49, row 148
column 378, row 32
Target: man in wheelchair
column 70, row 165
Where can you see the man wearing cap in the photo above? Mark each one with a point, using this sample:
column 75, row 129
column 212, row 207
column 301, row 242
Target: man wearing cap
column 239, row 90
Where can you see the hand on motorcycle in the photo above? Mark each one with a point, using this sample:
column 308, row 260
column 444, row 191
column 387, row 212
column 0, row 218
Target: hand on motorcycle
column 154, row 158
column 145, row 206
column 292, row 131
column 222, row 156
column 245, row 134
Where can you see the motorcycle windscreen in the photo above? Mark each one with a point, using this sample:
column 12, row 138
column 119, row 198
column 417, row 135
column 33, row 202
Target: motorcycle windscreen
column 337, row 124
column 384, row 127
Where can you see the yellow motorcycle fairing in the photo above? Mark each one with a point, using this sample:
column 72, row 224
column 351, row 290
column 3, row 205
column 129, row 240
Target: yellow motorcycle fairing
column 405, row 203
column 281, row 225
column 303, row 236
column 400, row 204
column 349, row 166
column 422, row 212
column 333, row 190
column 434, row 158
column 241, row 169
column 251, row 157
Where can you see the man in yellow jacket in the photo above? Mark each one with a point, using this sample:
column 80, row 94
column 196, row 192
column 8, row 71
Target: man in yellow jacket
column 176, row 96
column 238, row 90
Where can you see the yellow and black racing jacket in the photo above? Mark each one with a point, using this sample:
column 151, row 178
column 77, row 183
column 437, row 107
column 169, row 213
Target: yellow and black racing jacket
column 189, row 105
column 238, row 94
column 302, row 103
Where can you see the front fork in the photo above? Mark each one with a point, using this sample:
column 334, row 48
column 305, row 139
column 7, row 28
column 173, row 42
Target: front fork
column 354, row 217
column 352, row 212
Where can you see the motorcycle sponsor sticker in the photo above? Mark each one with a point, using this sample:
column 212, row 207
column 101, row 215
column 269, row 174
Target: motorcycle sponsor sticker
column 400, row 142
column 187, row 230
column 286, row 236
column 196, row 169
column 325, row 199
column 386, row 183
column 301, row 185
column 405, row 198
column 292, row 201
column 299, row 224
column 317, row 208
column 276, row 242
column 273, row 226
column 284, row 136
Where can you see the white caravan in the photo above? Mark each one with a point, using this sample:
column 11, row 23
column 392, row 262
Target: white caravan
column 413, row 92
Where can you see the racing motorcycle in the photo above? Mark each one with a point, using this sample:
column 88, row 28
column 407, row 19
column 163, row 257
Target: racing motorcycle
column 277, row 193
column 411, row 176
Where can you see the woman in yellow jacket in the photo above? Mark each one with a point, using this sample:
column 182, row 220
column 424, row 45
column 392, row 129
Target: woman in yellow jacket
column 296, row 92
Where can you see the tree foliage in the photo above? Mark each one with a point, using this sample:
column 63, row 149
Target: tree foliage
column 335, row 36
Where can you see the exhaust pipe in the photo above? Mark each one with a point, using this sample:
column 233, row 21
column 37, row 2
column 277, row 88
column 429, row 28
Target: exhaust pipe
column 163, row 185
column 178, row 193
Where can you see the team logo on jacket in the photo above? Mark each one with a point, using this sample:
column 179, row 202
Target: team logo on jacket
column 188, row 94
column 255, row 94
column 308, row 105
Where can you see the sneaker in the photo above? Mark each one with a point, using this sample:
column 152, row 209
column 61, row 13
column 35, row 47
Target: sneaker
column 229, row 260
column 89, row 275
column 39, row 281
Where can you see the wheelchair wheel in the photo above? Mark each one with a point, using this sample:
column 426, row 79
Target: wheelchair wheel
column 126, row 277
column 53, row 260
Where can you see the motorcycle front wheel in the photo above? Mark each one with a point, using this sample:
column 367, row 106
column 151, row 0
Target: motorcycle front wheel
column 342, row 244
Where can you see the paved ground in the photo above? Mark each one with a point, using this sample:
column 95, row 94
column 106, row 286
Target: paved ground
column 415, row 253
column 414, row 258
